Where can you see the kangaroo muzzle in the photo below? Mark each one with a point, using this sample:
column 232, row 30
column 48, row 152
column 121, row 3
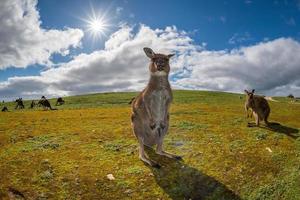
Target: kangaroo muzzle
column 160, row 67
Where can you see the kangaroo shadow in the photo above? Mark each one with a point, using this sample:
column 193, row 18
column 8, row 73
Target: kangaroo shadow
column 278, row 128
column 182, row 182
column 289, row 131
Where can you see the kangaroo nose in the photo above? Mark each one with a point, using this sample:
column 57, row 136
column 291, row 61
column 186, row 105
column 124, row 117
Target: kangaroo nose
column 160, row 67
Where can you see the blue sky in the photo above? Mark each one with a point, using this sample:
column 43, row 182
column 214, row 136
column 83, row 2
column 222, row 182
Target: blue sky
column 215, row 25
column 212, row 22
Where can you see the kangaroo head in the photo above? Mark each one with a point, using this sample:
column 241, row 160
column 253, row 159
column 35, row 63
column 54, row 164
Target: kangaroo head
column 159, row 64
column 249, row 95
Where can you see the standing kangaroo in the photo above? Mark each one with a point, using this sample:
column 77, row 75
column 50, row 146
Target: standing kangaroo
column 150, row 109
column 259, row 106
column 20, row 104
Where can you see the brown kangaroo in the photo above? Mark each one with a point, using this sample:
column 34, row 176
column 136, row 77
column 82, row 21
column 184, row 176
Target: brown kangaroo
column 59, row 101
column 259, row 106
column 150, row 109
column 45, row 103
column 20, row 104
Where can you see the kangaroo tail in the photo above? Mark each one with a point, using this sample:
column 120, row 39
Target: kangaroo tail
column 53, row 108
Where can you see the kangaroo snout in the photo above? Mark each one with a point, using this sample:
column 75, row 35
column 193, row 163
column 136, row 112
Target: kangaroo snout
column 160, row 68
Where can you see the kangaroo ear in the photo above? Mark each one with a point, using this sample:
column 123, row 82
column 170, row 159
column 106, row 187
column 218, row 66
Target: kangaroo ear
column 149, row 52
column 246, row 91
column 170, row 55
column 253, row 90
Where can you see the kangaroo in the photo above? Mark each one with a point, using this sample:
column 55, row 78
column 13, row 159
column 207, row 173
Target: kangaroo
column 33, row 104
column 150, row 109
column 45, row 103
column 20, row 104
column 59, row 101
column 4, row 109
column 259, row 105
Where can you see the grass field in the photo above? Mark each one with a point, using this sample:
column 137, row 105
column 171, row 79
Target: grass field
column 68, row 153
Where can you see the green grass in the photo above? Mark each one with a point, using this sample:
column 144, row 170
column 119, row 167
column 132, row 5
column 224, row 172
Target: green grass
column 67, row 154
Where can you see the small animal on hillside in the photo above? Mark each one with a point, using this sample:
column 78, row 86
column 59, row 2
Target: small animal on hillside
column 59, row 101
column 150, row 109
column 33, row 104
column 259, row 105
column 4, row 109
column 20, row 104
column 45, row 103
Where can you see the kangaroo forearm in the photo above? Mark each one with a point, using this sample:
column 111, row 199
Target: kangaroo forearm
column 147, row 107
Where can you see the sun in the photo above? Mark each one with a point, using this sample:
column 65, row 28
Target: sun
column 97, row 24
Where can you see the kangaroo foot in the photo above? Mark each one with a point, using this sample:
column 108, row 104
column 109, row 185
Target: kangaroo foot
column 150, row 162
column 169, row 155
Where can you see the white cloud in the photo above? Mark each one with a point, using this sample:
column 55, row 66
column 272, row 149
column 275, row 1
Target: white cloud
column 22, row 40
column 240, row 38
column 271, row 67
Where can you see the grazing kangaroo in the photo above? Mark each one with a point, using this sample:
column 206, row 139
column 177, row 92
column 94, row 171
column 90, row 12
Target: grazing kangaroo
column 259, row 106
column 32, row 105
column 20, row 104
column 59, row 101
column 4, row 109
column 45, row 103
column 150, row 109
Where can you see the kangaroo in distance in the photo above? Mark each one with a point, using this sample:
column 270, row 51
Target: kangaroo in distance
column 20, row 104
column 259, row 105
column 45, row 103
column 4, row 109
column 59, row 101
column 150, row 109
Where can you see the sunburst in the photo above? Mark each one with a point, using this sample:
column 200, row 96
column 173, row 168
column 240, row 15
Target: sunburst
column 97, row 24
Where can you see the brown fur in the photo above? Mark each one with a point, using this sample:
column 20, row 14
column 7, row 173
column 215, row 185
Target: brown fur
column 259, row 105
column 20, row 104
column 4, row 109
column 150, row 109
column 33, row 104
column 45, row 103
column 59, row 101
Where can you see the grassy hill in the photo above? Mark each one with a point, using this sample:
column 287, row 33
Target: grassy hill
column 68, row 153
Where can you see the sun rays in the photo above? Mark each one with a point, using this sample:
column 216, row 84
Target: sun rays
column 97, row 23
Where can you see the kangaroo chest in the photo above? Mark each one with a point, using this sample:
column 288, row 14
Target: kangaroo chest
column 160, row 100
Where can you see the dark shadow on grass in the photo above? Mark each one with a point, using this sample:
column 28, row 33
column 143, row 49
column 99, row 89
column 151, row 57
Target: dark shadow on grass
column 181, row 181
column 289, row 131
column 278, row 128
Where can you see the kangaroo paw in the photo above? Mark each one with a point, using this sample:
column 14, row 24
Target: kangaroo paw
column 162, row 125
column 152, row 126
column 156, row 165
column 178, row 157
